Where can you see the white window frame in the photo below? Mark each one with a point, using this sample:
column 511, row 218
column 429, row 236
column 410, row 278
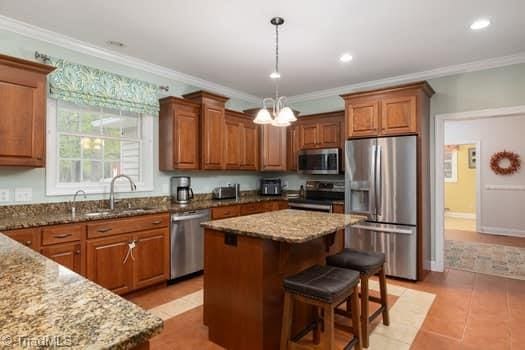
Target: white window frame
column 453, row 166
column 54, row 188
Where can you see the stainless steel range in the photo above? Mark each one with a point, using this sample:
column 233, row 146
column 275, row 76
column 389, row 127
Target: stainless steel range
column 319, row 196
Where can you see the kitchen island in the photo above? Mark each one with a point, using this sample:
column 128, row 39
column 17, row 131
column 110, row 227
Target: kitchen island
column 43, row 304
column 246, row 259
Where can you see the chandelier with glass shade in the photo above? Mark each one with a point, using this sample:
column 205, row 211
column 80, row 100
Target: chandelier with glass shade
column 274, row 110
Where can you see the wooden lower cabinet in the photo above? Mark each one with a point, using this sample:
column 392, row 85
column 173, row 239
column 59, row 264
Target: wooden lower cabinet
column 26, row 236
column 68, row 255
column 115, row 264
column 107, row 264
column 151, row 264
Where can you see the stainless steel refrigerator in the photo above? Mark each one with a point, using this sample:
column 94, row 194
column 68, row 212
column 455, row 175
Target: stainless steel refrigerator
column 381, row 183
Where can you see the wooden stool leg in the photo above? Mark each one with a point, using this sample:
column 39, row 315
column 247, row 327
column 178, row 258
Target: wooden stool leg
column 287, row 320
column 328, row 334
column 364, row 310
column 384, row 297
column 318, row 326
column 356, row 322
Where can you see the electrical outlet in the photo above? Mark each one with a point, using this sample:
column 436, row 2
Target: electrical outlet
column 23, row 194
column 4, row 195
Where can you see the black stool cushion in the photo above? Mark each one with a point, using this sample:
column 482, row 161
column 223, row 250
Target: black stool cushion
column 359, row 260
column 324, row 283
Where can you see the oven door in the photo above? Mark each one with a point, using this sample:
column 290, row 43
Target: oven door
column 319, row 161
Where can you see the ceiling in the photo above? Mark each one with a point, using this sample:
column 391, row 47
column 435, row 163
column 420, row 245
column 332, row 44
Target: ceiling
column 232, row 43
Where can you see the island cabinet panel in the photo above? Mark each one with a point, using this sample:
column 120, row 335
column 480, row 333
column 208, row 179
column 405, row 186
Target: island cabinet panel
column 109, row 263
column 211, row 128
column 30, row 237
column 179, row 134
column 22, row 112
column 248, row 269
column 67, row 254
column 151, row 264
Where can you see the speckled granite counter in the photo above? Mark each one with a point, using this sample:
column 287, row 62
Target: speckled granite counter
column 26, row 216
column 290, row 225
column 41, row 301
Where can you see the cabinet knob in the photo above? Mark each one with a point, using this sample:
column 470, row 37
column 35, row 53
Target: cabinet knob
column 77, row 252
column 28, row 243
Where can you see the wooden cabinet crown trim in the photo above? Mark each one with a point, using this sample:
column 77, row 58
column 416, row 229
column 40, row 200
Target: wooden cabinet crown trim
column 423, row 85
column 20, row 63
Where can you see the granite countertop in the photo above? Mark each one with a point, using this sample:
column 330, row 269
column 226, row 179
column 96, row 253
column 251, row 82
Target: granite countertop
column 42, row 302
column 289, row 225
column 51, row 214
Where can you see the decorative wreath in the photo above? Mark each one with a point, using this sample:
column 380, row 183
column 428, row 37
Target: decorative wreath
column 514, row 163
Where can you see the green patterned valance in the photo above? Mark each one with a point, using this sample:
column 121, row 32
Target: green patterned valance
column 81, row 84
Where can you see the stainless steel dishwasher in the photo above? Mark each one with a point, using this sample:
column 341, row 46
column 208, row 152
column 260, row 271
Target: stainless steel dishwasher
column 187, row 242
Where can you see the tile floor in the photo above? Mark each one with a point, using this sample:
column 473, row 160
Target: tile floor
column 470, row 311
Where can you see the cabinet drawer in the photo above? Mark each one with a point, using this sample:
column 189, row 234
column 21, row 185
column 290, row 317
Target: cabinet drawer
column 28, row 237
column 252, row 208
column 225, row 212
column 117, row 226
column 61, row 234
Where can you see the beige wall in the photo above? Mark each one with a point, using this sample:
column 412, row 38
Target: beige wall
column 460, row 196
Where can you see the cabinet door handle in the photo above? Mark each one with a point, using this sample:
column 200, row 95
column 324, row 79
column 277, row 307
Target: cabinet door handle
column 77, row 252
column 28, row 243
column 63, row 235
column 156, row 222
column 104, row 229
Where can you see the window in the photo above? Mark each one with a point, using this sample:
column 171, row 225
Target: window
column 87, row 146
column 450, row 167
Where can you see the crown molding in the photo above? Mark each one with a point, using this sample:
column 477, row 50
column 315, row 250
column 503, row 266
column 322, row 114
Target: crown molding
column 73, row 44
column 412, row 77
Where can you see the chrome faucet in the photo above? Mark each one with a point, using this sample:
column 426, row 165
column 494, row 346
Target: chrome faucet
column 73, row 207
column 112, row 189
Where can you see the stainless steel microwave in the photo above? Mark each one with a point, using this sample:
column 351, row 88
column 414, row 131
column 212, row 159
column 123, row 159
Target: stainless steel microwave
column 324, row 161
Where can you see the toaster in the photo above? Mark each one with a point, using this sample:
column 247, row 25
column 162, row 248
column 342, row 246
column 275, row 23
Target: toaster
column 224, row 192
column 271, row 187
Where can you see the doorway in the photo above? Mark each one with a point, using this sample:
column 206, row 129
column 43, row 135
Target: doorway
column 479, row 224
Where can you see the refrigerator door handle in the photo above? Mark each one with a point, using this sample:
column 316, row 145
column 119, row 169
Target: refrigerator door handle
column 379, row 180
column 372, row 197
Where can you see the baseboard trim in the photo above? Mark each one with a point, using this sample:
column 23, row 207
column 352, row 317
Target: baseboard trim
column 499, row 231
column 460, row 215
column 436, row 266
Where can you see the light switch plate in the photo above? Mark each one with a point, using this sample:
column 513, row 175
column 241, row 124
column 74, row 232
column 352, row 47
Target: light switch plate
column 23, row 194
column 4, row 195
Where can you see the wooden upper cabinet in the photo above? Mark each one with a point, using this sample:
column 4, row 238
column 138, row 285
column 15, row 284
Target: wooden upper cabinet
column 392, row 111
column 233, row 134
column 22, row 112
column 212, row 128
column 362, row 119
column 292, row 147
column 249, row 145
column 398, row 115
column 309, row 135
column 330, row 133
column 179, row 137
column 273, row 148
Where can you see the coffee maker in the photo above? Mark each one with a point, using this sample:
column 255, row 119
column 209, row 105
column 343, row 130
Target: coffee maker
column 180, row 188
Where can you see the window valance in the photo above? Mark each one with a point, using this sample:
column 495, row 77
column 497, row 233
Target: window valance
column 86, row 85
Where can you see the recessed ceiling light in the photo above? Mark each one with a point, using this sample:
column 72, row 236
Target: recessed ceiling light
column 115, row 43
column 275, row 75
column 480, row 24
column 346, row 57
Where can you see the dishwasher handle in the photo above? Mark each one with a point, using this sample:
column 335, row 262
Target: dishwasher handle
column 190, row 216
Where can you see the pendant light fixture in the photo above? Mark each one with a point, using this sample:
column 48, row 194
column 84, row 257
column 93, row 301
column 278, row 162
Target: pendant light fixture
column 274, row 110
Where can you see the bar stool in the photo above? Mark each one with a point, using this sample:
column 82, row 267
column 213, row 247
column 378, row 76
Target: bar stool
column 368, row 264
column 324, row 287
